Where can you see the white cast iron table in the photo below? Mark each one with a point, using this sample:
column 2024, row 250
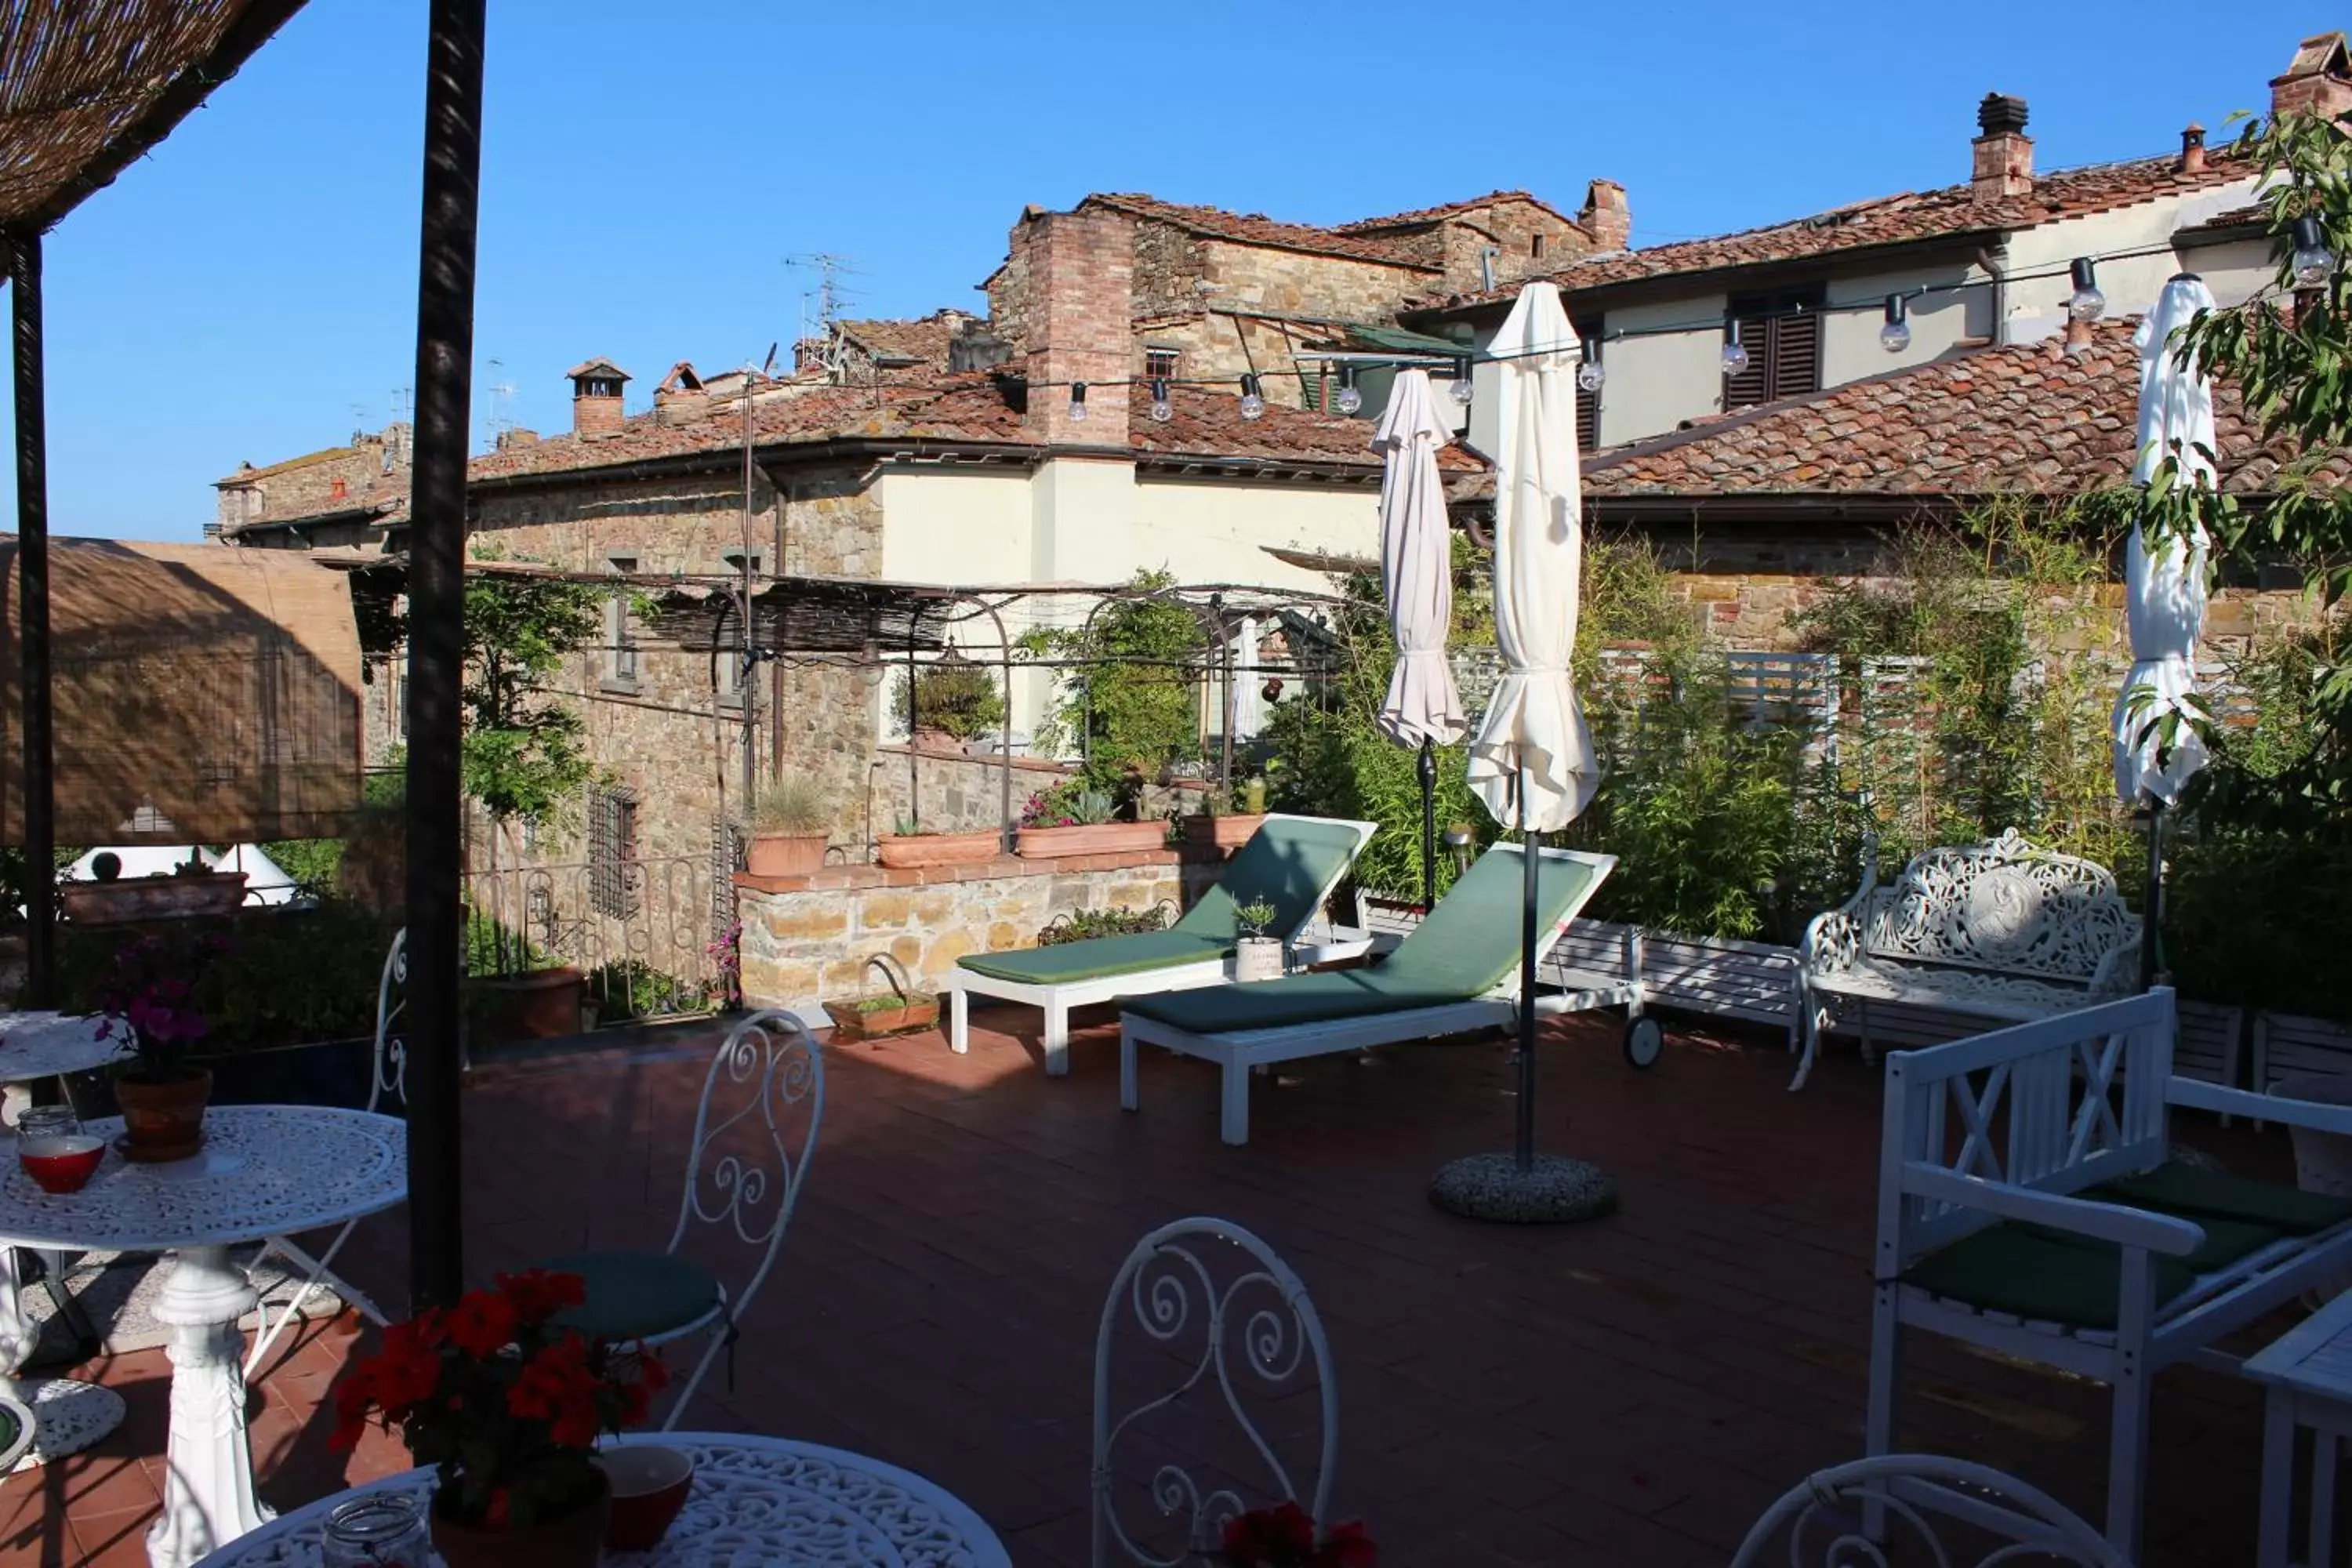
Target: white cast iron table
column 756, row 1501
column 2306, row 1381
column 264, row 1170
column 68, row 1415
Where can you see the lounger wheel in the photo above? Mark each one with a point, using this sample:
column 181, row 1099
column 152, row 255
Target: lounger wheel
column 1645, row 1042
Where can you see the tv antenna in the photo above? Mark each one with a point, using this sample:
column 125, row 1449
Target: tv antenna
column 820, row 306
column 502, row 392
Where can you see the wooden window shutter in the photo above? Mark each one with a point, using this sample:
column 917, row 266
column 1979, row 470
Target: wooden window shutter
column 1783, row 335
column 1754, row 383
column 1796, row 358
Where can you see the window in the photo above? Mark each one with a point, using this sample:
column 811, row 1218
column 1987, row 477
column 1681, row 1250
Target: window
column 620, row 637
column 1588, row 404
column 1535, row 246
column 1782, row 335
column 613, row 853
column 1161, row 363
column 400, row 702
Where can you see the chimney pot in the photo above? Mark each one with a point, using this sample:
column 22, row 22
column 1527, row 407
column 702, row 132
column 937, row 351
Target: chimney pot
column 2001, row 162
column 1607, row 216
column 596, row 404
column 2192, row 149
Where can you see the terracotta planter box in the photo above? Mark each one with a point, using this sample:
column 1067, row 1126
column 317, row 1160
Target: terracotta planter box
column 1093, row 838
column 151, row 898
column 784, row 854
column 903, row 1016
column 907, row 852
column 544, row 1005
column 1227, row 832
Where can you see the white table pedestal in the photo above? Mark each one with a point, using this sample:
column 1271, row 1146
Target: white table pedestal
column 208, row 1480
column 67, row 1415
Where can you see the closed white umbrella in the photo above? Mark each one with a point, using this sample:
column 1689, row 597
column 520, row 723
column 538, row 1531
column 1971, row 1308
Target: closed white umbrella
column 2164, row 592
column 1422, row 708
column 1532, row 760
column 2164, row 585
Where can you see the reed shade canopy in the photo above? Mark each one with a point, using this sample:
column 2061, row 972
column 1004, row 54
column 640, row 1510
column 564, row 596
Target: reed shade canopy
column 203, row 695
column 89, row 86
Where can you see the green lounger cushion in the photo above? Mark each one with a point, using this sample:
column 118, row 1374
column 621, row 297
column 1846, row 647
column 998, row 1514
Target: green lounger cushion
column 633, row 1295
column 1099, row 958
column 2050, row 1276
column 1465, row 948
column 2194, row 1193
column 1290, row 862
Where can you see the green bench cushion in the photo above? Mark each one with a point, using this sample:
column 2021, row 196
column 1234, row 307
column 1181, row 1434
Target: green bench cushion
column 1463, row 949
column 1290, row 862
column 635, row 1295
column 2194, row 1193
column 1097, row 958
column 2057, row 1276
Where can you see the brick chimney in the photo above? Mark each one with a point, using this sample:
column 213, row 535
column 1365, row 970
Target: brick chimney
column 1081, row 270
column 1606, row 216
column 2317, row 80
column 681, row 398
column 596, row 397
column 2003, row 154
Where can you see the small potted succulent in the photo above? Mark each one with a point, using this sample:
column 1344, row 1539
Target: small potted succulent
column 149, row 1002
column 1285, row 1537
column 1257, row 957
column 914, row 845
column 790, row 822
column 507, row 1406
column 1225, row 822
column 1076, row 820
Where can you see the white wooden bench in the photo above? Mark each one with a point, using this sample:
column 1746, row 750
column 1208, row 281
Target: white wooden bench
column 2027, row 1203
column 1998, row 930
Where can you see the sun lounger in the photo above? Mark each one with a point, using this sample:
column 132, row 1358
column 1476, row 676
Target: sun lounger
column 1456, row 973
column 1291, row 862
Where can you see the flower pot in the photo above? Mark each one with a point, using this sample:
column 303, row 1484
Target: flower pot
column 543, row 1005
column 1227, row 832
column 905, row 851
column 164, row 1120
column 1090, row 838
column 1257, row 958
column 784, row 854
column 574, row 1541
column 151, row 898
column 905, row 1016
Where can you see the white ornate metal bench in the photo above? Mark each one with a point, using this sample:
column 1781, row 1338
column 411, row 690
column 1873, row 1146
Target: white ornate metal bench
column 1998, row 929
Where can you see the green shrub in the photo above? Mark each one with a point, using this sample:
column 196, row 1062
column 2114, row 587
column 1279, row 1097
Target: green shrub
column 1126, row 700
column 632, row 988
column 796, row 803
column 956, row 697
column 1082, row 925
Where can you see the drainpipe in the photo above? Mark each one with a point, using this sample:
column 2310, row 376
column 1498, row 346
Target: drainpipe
column 1994, row 259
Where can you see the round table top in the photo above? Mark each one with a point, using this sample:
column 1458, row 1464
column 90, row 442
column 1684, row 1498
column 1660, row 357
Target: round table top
column 264, row 1170
column 755, row 1501
column 43, row 1045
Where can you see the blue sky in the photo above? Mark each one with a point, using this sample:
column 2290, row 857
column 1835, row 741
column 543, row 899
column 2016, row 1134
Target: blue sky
column 249, row 292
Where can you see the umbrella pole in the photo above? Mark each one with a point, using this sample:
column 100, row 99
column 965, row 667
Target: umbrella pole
column 2152, row 903
column 1530, row 854
column 1428, row 771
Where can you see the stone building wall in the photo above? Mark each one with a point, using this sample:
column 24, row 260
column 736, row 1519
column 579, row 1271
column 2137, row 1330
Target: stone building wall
column 312, row 483
column 808, row 940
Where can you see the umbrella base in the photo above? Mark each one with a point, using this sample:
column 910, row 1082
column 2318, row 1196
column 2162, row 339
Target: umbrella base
column 1558, row 1191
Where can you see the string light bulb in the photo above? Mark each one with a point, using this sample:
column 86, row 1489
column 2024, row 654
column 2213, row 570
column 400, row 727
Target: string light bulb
column 1077, row 402
column 1253, row 399
column 1162, row 410
column 2312, row 260
column 1895, row 335
column 1735, row 352
column 1462, row 388
column 2086, row 303
column 1589, row 373
column 1349, row 400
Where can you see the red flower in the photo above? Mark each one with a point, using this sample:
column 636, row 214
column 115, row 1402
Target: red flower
column 1279, row 1537
column 537, row 1295
column 1348, row 1547
column 555, row 1383
column 482, row 1323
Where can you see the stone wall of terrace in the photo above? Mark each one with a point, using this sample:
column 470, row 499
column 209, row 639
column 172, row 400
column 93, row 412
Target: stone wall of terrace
column 808, row 940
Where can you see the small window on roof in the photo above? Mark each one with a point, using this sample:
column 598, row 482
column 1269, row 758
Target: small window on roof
column 1161, row 363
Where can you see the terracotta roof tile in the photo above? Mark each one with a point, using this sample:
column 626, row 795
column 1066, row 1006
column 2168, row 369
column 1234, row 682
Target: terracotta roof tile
column 1421, row 215
column 1209, row 425
column 1257, row 228
column 2027, row 420
column 923, row 339
column 1913, row 216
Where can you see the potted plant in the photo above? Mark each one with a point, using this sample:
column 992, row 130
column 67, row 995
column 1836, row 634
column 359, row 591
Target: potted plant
column 1285, row 1537
column 897, row 1011
column 789, row 828
column 954, row 701
column 1075, row 820
column 1228, row 823
column 913, row 847
column 191, row 887
column 508, row 1406
column 1257, row 957
column 149, row 1002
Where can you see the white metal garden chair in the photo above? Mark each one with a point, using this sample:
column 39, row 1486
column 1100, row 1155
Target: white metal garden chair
column 1826, row 1512
column 387, row 1074
column 1257, row 1335
column 763, row 1103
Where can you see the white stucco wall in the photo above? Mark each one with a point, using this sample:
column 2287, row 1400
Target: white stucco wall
column 2236, row 271
column 2036, row 305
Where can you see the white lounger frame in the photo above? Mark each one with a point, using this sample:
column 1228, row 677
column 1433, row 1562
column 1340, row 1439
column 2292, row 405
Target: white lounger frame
column 1238, row 1052
column 1057, row 1001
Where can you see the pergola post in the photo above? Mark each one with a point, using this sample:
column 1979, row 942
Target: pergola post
column 33, row 622
column 437, row 604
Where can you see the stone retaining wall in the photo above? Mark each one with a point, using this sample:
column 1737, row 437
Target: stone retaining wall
column 807, row 939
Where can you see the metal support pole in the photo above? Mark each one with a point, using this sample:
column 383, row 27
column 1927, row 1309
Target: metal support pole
column 33, row 626
column 1427, row 769
column 914, row 779
column 436, row 641
column 1530, row 853
column 2151, row 921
